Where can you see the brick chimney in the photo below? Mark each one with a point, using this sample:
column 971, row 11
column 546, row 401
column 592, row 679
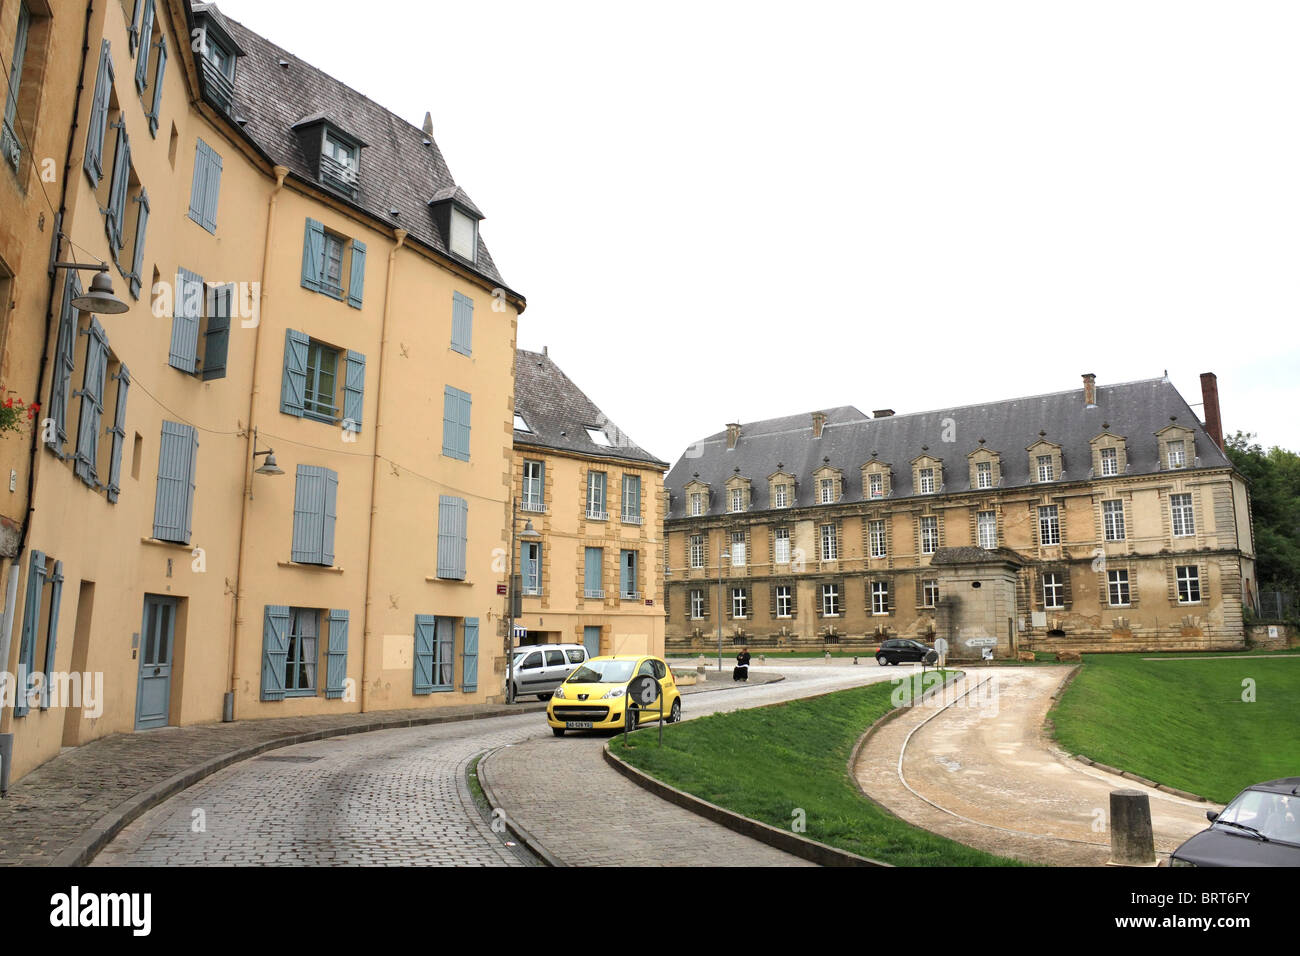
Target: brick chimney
column 733, row 435
column 1089, row 390
column 819, row 422
column 882, row 413
column 1210, row 410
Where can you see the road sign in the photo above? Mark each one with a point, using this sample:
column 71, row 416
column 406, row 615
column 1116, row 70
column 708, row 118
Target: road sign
column 643, row 689
column 982, row 642
column 501, row 589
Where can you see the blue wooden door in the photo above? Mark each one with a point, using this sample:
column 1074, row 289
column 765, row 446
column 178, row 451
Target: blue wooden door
column 153, row 698
column 591, row 640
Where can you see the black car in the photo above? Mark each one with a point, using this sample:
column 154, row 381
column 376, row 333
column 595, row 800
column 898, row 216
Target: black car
column 902, row 649
column 1260, row 827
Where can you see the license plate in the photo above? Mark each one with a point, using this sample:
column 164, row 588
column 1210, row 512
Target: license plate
column 578, row 724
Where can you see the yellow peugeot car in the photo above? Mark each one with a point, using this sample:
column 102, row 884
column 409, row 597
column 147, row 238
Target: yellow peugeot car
column 594, row 697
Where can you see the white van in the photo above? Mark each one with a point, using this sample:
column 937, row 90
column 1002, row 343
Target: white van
column 540, row 668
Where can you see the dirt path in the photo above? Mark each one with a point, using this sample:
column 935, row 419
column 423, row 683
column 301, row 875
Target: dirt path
column 1002, row 786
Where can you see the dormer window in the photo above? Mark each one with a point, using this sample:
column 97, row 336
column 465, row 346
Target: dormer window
column 598, row 437
column 520, row 424
column 219, row 52
column 340, row 161
column 464, row 235
column 220, row 59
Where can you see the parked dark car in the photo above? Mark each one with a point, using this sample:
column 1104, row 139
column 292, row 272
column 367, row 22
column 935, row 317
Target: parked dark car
column 903, row 649
column 1260, row 827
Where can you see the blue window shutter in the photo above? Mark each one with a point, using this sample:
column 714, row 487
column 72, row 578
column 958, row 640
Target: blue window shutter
column 64, row 363
column 309, row 515
column 137, row 257
column 464, row 425
column 173, row 506
column 313, row 255
column 158, row 84
column 119, row 434
column 330, row 515
column 336, row 665
column 462, row 323
column 469, row 672
column 453, row 516
column 56, row 595
column 133, row 35
column 462, row 528
column 275, row 650
column 187, row 314
column 593, row 570
column 422, row 665
column 205, row 189
column 294, row 388
column 354, row 386
column 146, row 31
column 356, row 286
column 117, row 190
column 216, row 339
column 31, row 621
column 213, row 192
column 98, row 123
column 455, row 423
column 92, row 404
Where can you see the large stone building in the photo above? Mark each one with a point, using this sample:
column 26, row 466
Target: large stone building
column 594, row 576
column 304, row 275
column 1100, row 518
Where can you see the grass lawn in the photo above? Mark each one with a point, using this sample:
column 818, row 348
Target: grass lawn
column 769, row 762
column 1183, row 723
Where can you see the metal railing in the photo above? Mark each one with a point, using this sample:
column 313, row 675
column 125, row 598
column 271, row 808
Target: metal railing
column 218, row 87
column 593, row 593
column 1276, row 605
column 597, row 515
column 338, row 176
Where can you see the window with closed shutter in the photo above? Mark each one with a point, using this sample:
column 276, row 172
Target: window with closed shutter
column 593, row 571
column 462, row 323
column 174, row 503
column 315, row 512
column 455, row 423
column 453, row 517
column 92, row 404
column 97, row 125
column 205, row 189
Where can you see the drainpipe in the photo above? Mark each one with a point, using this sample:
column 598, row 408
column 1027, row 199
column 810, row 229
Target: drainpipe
column 400, row 236
column 228, row 702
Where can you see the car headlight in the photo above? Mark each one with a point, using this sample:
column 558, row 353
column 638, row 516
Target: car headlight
column 613, row 692
column 559, row 693
column 1174, row 861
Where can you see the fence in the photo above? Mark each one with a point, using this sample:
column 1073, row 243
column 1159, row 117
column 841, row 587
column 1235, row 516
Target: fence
column 1277, row 605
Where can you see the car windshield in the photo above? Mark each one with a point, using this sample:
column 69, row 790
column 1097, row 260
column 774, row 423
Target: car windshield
column 602, row 672
column 1275, row 816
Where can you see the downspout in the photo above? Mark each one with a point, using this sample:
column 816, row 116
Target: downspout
column 228, row 702
column 400, row 236
column 11, row 588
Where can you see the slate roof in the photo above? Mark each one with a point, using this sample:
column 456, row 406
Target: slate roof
column 1133, row 410
column 397, row 171
column 558, row 413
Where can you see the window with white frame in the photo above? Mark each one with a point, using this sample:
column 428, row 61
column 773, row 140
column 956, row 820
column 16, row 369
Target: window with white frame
column 879, row 597
column 927, row 481
column 1049, row 525
column 783, row 603
column 929, row 593
column 876, row 533
column 1112, row 517
column 876, row 485
column 737, row 549
column 533, row 491
column 697, row 550
column 986, row 523
column 1053, row 590
column 739, row 602
column 1109, row 462
column 530, row 563
column 1189, row 584
column 697, row 605
column 830, row 600
column 737, row 499
column 596, row 495
column 1117, row 586
column 929, row 534
column 779, row 496
column 1177, row 455
column 697, row 503
column 983, row 474
column 827, row 486
column 830, row 543
column 781, row 546
column 1045, row 472
column 1184, row 522
column 631, row 499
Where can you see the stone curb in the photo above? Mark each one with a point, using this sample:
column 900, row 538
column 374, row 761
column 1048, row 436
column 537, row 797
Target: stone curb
column 84, row 849
column 535, row 846
column 792, row 843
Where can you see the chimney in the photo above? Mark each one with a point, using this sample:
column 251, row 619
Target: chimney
column 819, row 422
column 733, row 435
column 882, row 413
column 1210, row 396
column 1089, row 390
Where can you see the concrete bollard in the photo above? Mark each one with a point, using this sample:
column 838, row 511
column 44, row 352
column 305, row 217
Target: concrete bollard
column 1131, row 841
column 828, row 657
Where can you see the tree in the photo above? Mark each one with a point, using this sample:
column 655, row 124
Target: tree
column 1274, row 478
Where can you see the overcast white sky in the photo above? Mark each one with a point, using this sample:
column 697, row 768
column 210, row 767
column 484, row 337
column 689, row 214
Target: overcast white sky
column 734, row 211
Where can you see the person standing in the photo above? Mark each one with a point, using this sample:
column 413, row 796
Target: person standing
column 741, row 672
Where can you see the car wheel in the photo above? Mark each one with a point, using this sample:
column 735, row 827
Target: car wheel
column 558, row 731
column 882, row 660
column 675, row 714
column 630, row 720
column 543, row 696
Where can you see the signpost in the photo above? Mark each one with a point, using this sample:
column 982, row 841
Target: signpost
column 643, row 690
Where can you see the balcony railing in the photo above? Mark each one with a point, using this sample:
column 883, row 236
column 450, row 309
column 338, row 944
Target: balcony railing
column 631, row 519
column 338, row 176
column 595, row 515
column 534, row 506
column 217, row 86
column 630, row 595
column 593, row 593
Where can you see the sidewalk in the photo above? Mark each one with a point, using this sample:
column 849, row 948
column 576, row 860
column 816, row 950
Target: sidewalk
column 65, row 810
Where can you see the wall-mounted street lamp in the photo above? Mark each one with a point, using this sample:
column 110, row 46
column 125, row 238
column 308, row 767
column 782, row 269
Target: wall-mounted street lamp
column 100, row 298
column 268, row 467
column 513, row 600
